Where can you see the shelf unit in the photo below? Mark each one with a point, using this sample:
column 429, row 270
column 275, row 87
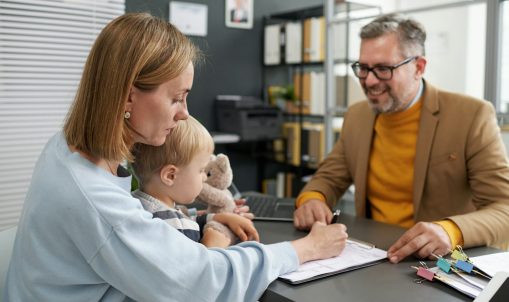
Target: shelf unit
column 332, row 9
column 284, row 72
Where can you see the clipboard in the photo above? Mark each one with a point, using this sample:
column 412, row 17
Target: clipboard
column 356, row 255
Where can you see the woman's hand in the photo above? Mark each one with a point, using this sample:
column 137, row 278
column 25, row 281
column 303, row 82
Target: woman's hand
column 322, row 242
column 239, row 225
column 214, row 238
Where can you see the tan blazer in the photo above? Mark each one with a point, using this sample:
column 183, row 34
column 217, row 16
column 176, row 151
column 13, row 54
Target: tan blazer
column 461, row 168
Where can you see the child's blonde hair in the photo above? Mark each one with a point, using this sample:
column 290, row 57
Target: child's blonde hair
column 186, row 140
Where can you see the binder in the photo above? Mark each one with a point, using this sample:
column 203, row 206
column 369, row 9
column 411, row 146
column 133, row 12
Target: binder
column 289, row 179
column 303, row 96
column 355, row 92
column 313, row 91
column 317, row 93
column 293, row 42
column 292, row 133
column 316, row 145
column 356, row 255
column 340, row 43
column 314, row 39
column 280, row 185
column 307, row 40
column 305, row 156
column 272, row 53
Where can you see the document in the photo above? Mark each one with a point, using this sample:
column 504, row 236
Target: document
column 355, row 255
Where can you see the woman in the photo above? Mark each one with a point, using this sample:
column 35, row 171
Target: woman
column 82, row 237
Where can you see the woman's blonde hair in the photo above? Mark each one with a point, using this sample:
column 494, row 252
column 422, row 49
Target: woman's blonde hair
column 183, row 144
column 135, row 49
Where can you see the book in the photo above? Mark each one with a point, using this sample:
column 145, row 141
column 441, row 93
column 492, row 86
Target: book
column 356, row 255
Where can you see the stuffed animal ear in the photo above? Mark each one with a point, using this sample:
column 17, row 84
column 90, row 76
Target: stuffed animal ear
column 168, row 174
column 222, row 162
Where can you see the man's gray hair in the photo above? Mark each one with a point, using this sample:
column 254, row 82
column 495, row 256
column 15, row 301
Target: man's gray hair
column 411, row 33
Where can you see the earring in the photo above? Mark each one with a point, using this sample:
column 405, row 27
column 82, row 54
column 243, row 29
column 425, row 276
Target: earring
column 127, row 115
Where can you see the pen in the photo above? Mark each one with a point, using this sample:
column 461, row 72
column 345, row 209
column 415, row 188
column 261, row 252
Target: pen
column 335, row 216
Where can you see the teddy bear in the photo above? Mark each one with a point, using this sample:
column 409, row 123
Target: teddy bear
column 215, row 192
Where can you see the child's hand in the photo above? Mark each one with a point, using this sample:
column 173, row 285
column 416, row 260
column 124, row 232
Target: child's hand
column 242, row 209
column 214, row 238
column 242, row 227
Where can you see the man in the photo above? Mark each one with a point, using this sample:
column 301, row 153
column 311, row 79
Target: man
column 419, row 157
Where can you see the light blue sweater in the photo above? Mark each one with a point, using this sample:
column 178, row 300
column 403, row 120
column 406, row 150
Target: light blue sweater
column 83, row 237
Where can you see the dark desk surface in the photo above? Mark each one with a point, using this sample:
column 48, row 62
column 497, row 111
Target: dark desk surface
column 382, row 282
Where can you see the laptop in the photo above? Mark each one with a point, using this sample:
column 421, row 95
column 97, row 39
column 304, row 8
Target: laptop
column 266, row 207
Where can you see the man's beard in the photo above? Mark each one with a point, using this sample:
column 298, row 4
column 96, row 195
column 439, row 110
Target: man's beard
column 392, row 104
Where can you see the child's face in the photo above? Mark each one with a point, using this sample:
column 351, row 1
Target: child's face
column 189, row 179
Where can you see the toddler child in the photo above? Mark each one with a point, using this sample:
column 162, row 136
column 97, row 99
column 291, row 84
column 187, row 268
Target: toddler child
column 173, row 174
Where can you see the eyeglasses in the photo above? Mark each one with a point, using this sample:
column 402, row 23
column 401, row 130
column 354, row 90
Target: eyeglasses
column 383, row 73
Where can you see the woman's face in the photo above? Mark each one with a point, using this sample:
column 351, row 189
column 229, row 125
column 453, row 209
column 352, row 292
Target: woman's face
column 155, row 113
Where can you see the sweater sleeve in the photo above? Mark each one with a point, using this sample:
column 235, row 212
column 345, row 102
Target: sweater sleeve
column 453, row 231
column 305, row 196
column 137, row 262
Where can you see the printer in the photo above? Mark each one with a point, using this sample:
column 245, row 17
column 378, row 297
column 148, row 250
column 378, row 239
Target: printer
column 249, row 117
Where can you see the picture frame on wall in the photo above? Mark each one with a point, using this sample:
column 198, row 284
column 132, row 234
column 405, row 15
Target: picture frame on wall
column 239, row 13
column 189, row 18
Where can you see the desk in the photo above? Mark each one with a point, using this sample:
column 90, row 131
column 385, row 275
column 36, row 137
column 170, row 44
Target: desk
column 382, row 282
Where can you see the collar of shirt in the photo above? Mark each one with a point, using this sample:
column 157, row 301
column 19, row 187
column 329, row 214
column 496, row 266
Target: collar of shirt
column 417, row 96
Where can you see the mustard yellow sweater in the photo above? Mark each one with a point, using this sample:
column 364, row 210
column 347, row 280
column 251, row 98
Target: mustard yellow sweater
column 391, row 167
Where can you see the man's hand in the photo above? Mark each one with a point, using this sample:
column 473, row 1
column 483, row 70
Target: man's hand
column 311, row 211
column 242, row 209
column 422, row 240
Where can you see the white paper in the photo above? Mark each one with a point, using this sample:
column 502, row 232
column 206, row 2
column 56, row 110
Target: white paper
column 492, row 263
column 189, row 18
column 354, row 254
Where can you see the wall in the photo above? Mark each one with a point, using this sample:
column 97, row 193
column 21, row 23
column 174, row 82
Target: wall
column 233, row 65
